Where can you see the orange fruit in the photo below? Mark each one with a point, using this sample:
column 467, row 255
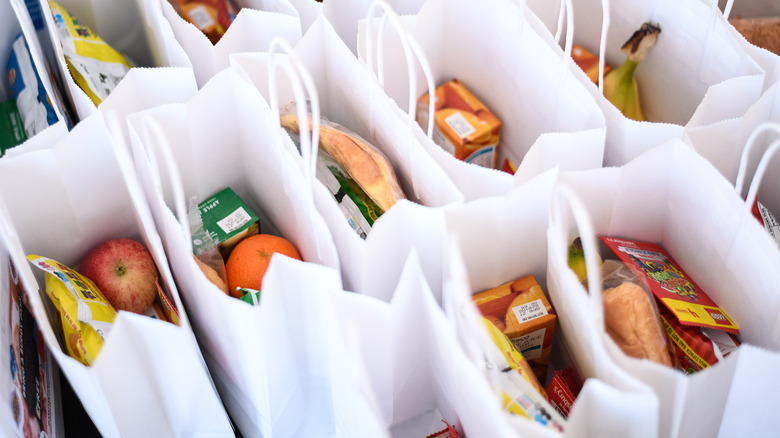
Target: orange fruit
column 249, row 260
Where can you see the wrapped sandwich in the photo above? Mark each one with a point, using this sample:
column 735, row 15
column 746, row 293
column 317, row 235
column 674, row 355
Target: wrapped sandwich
column 357, row 174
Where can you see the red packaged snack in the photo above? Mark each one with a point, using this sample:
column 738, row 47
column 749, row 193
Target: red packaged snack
column 449, row 432
column 564, row 389
column 696, row 348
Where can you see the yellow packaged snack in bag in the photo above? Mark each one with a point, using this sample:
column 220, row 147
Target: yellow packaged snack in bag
column 86, row 315
column 96, row 67
column 520, row 391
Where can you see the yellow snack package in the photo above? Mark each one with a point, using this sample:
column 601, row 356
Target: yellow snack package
column 520, row 390
column 86, row 316
column 96, row 67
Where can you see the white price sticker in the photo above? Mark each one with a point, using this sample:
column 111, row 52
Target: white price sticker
column 234, row 220
column 529, row 311
column 460, row 125
column 201, row 17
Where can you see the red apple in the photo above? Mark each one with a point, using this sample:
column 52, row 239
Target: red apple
column 125, row 273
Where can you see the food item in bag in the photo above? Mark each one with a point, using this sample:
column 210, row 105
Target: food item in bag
column 32, row 100
column 357, row 174
column 564, row 388
column 32, row 378
column 249, row 261
column 521, row 311
column 669, row 283
column 212, row 275
column 227, row 219
column 763, row 32
column 212, row 17
column 463, row 125
column 631, row 321
column 11, row 126
column 620, row 86
column 696, row 348
column 86, row 315
column 96, row 67
column 125, row 273
column 577, row 261
column 767, row 219
column 588, row 62
column 520, row 391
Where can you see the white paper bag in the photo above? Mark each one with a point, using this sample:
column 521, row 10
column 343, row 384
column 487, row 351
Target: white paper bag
column 317, row 384
column 723, row 144
column 673, row 197
column 418, row 370
column 256, row 24
column 27, row 367
column 510, row 243
column 225, row 137
column 350, row 98
column 548, row 118
column 697, row 74
column 344, row 15
column 62, row 202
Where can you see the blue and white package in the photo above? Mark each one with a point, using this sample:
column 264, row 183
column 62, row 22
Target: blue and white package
column 33, row 102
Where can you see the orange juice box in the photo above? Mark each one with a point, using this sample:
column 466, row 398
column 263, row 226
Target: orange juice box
column 463, row 126
column 521, row 311
column 588, row 62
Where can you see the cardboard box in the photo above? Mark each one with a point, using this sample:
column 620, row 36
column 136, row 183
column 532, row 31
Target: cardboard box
column 463, row 126
column 521, row 311
column 228, row 220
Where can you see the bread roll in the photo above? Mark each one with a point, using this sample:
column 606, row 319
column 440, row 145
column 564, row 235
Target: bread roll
column 366, row 166
column 761, row 32
column 631, row 321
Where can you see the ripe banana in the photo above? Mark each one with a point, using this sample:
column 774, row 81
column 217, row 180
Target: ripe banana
column 620, row 86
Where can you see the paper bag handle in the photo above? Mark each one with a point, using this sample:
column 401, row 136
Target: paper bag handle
column 727, row 8
column 564, row 195
column 566, row 10
column 605, row 18
column 154, row 130
column 297, row 73
column 309, row 140
column 410, row 46
column 762, row 165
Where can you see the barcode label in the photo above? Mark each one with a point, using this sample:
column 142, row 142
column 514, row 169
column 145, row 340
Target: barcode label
column 531, row 310
column 201, row 17
column 234, row 220
column 460, row 125
column 530, row 345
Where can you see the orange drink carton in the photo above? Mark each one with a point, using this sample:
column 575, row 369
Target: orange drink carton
column 463, row 126
column 521, row 311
